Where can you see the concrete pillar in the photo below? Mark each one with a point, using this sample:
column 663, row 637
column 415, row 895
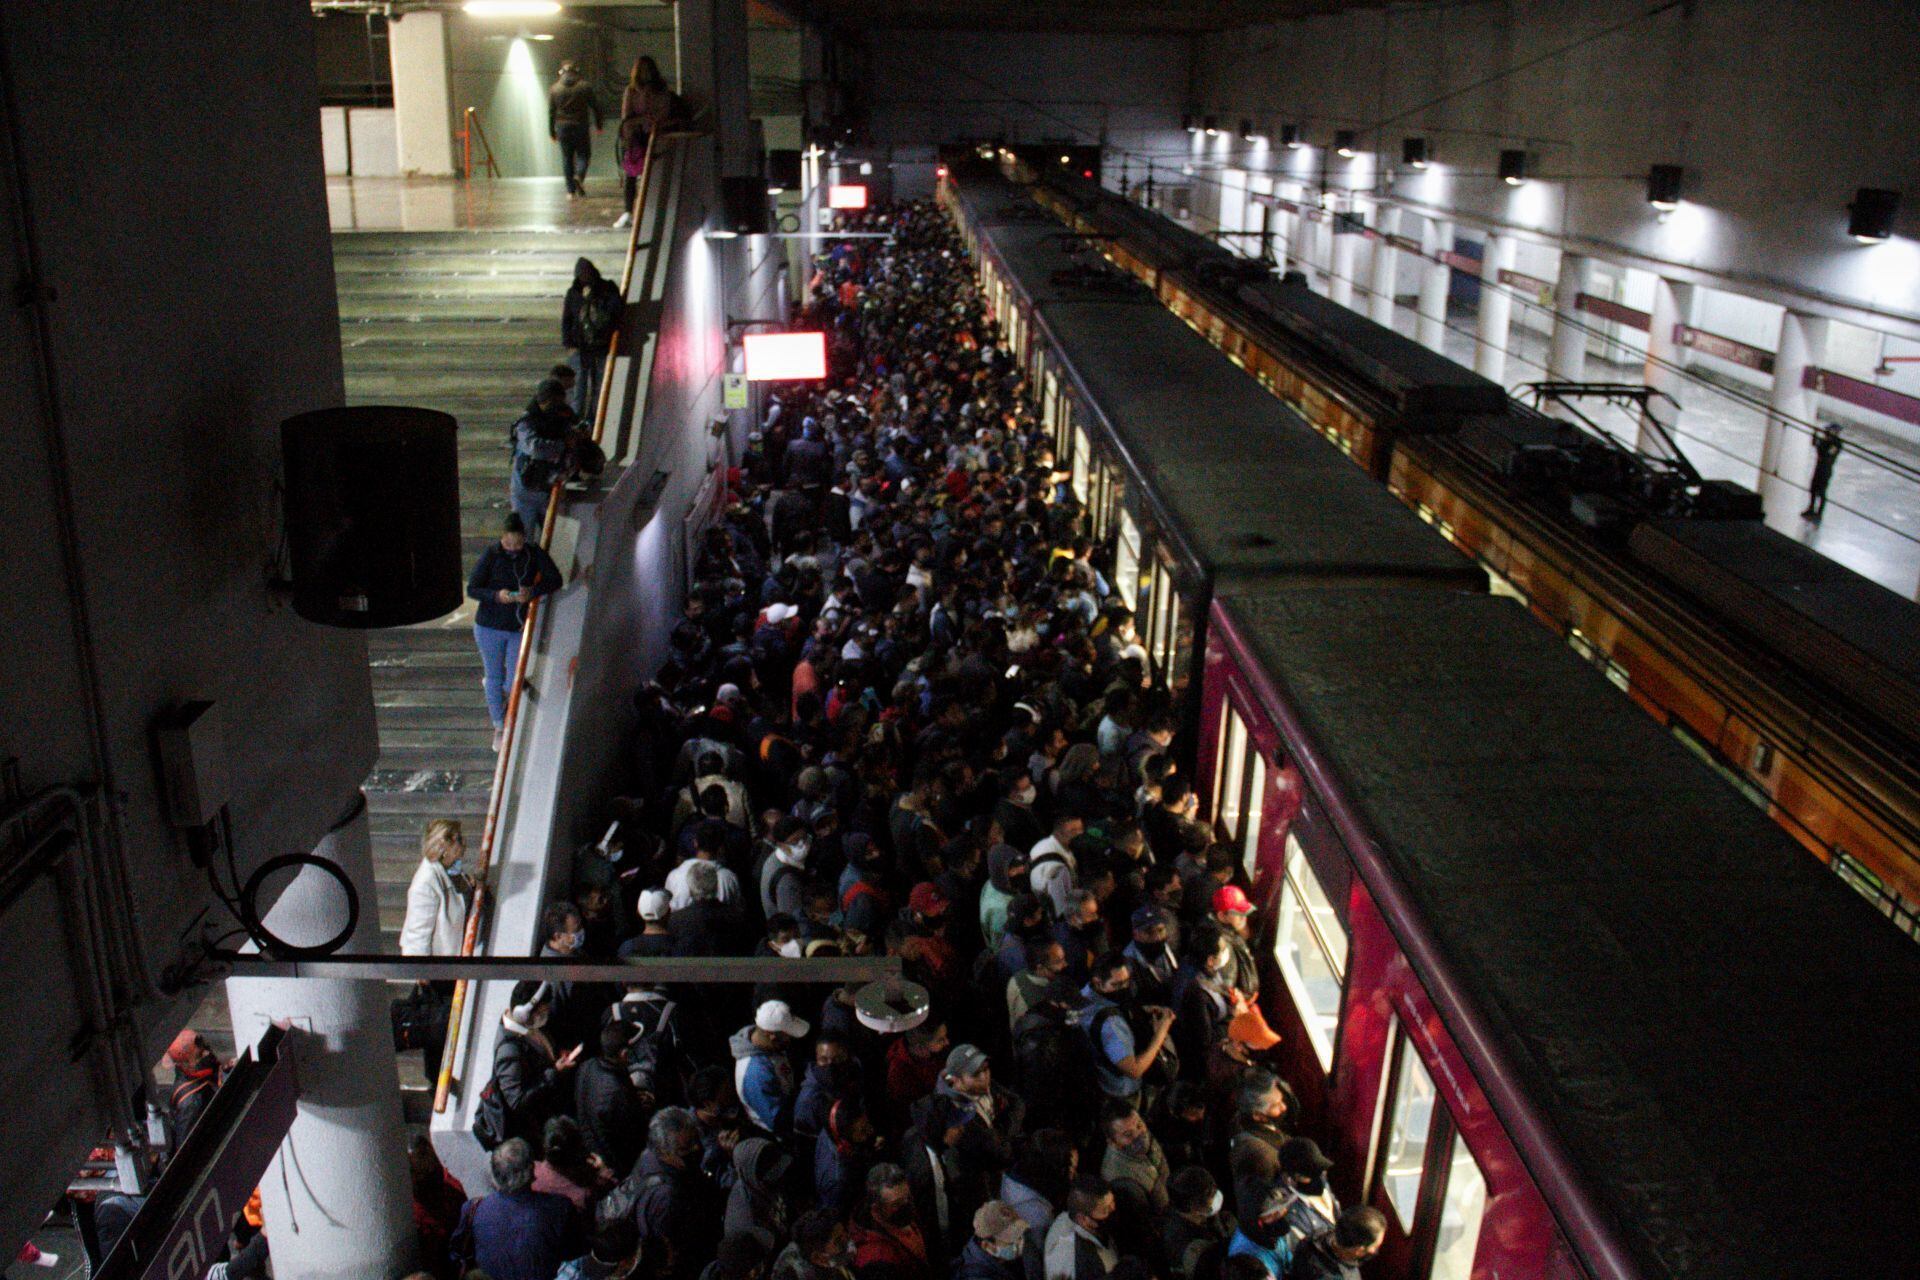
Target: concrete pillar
column 1786, row 456
column 1386, row 264
column 1436, row 279
column 422, row 97
column 1568, row 362
column 1496, row 310
column 1345, row 251
column 337, row 1198
column 1672, row 301
column 711, row 40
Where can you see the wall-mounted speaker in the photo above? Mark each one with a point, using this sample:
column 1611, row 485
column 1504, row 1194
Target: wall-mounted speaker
column 373, row 515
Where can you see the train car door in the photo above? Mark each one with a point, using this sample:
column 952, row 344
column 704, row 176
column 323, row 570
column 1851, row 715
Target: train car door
column 1422, row 1176
column 1126, row 563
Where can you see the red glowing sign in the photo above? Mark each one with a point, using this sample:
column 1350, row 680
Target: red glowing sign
column 786, row 357
column 940, row 171
column 853, row 196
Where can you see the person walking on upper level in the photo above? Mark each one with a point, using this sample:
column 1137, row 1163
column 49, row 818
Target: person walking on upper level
column 510, row 575
column 573, row 114
column 644, row 108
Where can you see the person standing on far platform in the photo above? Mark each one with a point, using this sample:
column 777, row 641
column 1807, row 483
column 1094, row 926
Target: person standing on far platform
column 573, row 113
column 511, row 575
column 1826, row 451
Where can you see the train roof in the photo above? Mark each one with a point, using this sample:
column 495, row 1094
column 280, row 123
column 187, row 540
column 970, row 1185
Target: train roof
column 1418, row 379
column 1250, row 487
column 1718, row 1031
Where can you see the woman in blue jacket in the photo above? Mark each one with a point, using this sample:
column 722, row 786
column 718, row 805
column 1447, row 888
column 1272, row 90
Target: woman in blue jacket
column 511, row 574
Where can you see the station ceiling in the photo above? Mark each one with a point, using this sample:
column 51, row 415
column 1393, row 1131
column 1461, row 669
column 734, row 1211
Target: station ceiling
column 1188, row 17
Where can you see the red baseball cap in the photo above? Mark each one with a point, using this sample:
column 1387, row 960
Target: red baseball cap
column 1231, row 897
column 927, row 900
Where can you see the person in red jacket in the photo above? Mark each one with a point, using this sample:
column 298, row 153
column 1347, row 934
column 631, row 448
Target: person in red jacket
column 887, row 1240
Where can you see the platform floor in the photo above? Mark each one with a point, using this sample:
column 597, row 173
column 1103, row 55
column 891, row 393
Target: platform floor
column 484, row 204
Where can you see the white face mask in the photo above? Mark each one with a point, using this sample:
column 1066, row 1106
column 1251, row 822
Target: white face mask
column 1213, row 1205
column 1008, row 1252
column 791, row 948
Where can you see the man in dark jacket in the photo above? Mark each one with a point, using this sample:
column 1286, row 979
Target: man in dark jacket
column 606, row 1104
column 196, row 1077
column 671, row 1199
column 541, row 440
column 511, row 574
column 571, row 108
column 1337, row 1254
column 530, row 1080
column 589, row 317
column 999, row 1240
column 517, row 1233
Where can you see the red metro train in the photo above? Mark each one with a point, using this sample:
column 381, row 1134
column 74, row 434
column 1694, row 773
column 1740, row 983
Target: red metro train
column 1557, row 1000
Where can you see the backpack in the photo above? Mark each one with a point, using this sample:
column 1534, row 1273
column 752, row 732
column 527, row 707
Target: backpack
column 601, row 310
column 490, row 1118
column 650, row 1064
column 624, row 1199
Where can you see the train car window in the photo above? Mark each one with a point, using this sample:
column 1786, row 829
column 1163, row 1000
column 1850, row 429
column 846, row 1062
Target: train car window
column 1256, row 806
column 1062, row 423
column 1409, row 1123
column 1126, row 562
column 1310, row 948
column 1049, row 399
column 1182, row 645
column 1226, row 810
column 1464, row 1204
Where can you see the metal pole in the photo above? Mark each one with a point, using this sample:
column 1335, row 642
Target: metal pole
column 469, row 969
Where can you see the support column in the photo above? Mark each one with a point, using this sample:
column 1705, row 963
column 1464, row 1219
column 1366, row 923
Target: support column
column 1436, row 279
column 422, row 96
column 1496, row 310
column 1786, row 456
column 1341, row 269
column 711, row 36
column 1672, row 301
column 1386, row 264
column 337, row 1198
column 1567, row 361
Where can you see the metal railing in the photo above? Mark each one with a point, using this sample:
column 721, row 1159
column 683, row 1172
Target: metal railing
column 503, row 763
column 469, row 126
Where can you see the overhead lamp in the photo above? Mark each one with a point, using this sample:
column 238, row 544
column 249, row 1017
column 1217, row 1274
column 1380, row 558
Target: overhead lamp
column 1246, row 131
column 1213, row 126
column 1663, row 186
column 510, row 8
column 1414, row 152
column 1343, row 140
column 743, row 209
column 783, row 170
column 1870, row 216
column 541, row 35
column 1188, row 123
column 1290, row 137
column 1066, row 159
column 1513, row 167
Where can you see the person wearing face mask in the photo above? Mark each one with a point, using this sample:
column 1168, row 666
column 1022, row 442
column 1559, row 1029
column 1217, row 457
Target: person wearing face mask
column 783, row 873
column 1262, row 1105
column 1006, row 880
column 763, row 1075
column 1133, row 1165
column 612, row 1254
column 999, row 1241
column 531, row 1083
column 1198, row 1226
column 1151, row 956
column 1315, row 1209
column 1265, row 1237
column 576, row 1005
column 833, row 1075
column 820, row 1249
column 887, row 1239
column 1204, row 1000
column 1046, row 962
column 1019, row 824
column 1121, row 1058
column 1079, row 1245
column 846, row 1149
column 1337, row 1254
column 669, row 1197
column 1025, row 926
column 1081, row 932
column 1231, row 911
column 436, row 918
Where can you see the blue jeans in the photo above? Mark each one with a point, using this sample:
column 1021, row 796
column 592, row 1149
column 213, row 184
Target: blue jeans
column 499, row 653
column 576, row 153
column 591, row 366
column 529, row 504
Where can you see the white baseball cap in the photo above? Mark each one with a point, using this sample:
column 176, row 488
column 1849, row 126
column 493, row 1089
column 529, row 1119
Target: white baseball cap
column 774, row 1015
column 654, row 904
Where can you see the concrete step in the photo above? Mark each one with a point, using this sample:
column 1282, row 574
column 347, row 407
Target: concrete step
column 563, row 242
column 459, row 794
column 431, row 284
column 453, row 308
column 455, row 264
column 394, row 721
column 411, row 695
column 503, row 335
column 477, row 760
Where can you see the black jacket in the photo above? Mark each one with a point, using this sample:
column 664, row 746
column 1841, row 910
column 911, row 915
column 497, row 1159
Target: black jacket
column 530, row 1086
column 611, row 1115
column 500, row 570
column 584, row 327
column 681, row 1205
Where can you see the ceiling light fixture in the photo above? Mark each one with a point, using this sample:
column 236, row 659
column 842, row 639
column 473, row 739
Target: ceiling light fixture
column 1663, row 186
column 1188, row 123
column 1343, row 140
column 1870, row 216
column 1213, row 126
column 510, row 8
column 1513, row 167
column 1291, row 137
column 1414, row 152
column 1246, row 130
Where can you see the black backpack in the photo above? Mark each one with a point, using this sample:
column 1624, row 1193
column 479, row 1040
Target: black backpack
column 490, row 1118
column 624, row 1199
column 601, row 310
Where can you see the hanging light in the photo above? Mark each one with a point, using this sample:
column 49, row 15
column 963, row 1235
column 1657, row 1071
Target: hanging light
column 1290, row 137
column 1415, row 153
column 510, row 8
column 1213, row 126
column 1870, row 216
column 1246, row 131
column 1663, row 186
column 1187, row 122
column 1343, row 142
column 1513, row 167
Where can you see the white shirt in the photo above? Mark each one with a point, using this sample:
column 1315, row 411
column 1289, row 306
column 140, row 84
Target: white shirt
column 1055, row 879
column 436, row 920
column 677, row 884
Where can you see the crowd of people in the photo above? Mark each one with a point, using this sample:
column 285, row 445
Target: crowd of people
column 905, row 714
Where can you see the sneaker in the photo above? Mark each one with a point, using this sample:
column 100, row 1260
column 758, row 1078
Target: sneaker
column 624, row 220
column 499, row 740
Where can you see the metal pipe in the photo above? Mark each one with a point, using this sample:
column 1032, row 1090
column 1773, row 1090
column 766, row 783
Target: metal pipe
column 469, row 969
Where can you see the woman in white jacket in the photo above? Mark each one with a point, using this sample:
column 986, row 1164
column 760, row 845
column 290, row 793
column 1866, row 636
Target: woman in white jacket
column 436, row 900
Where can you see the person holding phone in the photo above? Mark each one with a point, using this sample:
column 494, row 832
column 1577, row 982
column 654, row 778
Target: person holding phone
column 510, row 575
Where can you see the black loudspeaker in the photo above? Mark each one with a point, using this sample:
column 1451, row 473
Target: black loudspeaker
column 743, row 204
column 783, row 169
column 373, row 515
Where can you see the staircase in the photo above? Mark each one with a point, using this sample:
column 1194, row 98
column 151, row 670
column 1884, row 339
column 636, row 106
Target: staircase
column 468, row 323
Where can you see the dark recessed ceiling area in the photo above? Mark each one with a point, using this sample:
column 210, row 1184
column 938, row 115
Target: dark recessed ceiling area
column 1114, row 16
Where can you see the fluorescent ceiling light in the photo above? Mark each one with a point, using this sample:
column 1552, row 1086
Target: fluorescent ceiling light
column 511, row 8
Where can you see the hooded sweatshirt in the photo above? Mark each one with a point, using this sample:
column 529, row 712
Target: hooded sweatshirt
column 755, row 1206
column 764, row 1082
column 998, row 893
